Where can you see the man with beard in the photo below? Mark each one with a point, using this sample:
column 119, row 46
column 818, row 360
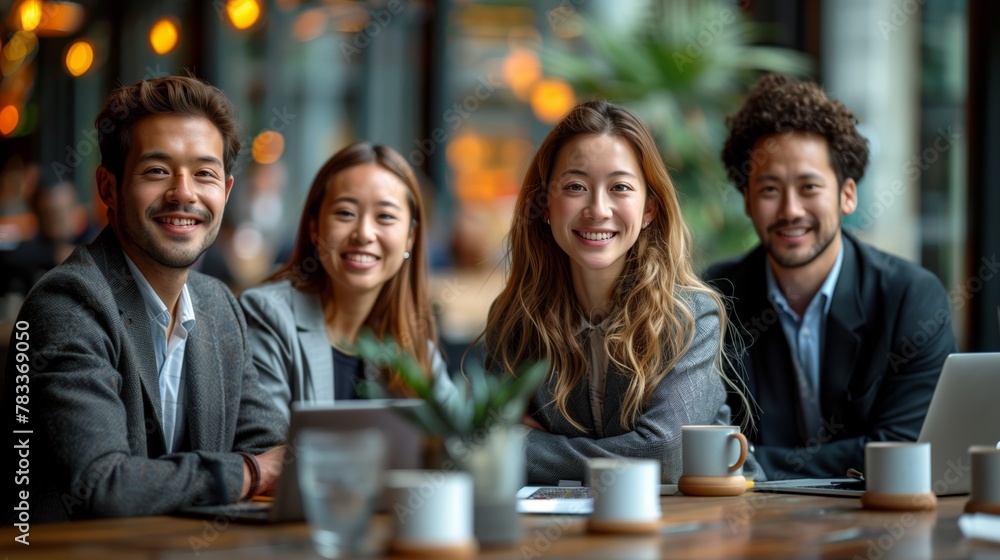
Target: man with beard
column 837, row 343
column 134, row 381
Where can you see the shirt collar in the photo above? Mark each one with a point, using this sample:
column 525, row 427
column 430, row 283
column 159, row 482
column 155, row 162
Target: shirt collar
column 586, row 325
column 154, row 305
column 825, row 291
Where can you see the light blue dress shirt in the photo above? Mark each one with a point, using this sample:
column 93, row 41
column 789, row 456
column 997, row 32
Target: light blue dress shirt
column 169, row 355
column 805, row 334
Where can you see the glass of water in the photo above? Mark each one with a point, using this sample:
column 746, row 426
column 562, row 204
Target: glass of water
column 340, row 476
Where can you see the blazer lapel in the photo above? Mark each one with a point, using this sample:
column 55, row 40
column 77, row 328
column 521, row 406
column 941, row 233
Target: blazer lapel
column 316, row 352
column 135, row 321
column 204, row 391
column 843, row 340
column 771, row 369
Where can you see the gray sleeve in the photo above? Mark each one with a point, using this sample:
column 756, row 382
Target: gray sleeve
column 81, row 419
column 692, row 393
column 272, row 335
column 260, row 425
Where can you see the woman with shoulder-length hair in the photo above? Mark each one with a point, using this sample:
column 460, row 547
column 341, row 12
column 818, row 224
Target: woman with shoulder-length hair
column 600, row 284
column 358, row 262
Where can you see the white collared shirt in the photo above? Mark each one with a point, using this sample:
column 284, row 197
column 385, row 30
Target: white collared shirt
column 169, row 355
column 806, row 334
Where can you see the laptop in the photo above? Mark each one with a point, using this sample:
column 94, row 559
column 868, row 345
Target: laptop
column 565, row 500
column 403, row 451
column 963, row 412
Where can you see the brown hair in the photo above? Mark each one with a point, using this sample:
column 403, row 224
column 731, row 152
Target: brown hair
column 651, row 324
column 169, row 95
column 777, row 104
column 402, row 310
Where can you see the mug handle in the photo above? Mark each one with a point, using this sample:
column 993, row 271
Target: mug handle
column 743, row 451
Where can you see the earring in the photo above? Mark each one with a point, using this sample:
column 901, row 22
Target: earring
column 406, row 255
column 645, row 225
column 546, row 220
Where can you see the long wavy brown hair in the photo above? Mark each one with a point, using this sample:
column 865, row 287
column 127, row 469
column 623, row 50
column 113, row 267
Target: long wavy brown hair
column 651, row 325
column 402, row 309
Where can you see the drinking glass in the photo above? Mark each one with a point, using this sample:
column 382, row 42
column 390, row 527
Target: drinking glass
column 340, row 476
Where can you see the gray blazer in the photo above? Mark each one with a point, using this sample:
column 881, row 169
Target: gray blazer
column 97, row 447
column 292, row 352
column 692, row 393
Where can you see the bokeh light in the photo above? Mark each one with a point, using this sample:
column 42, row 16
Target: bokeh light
column 309, row 25
column 163, row 36
column 268, row 147
column 243, row 13
column 79, row 58
column 61, row 19
column 31, row 14
column 551, row 99
column 9, row 117
column 522, row 70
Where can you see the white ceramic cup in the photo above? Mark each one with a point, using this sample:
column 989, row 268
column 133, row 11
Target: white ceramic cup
column 713, row 450
column 625, row 490
column 985, row 474
column 431, row 508
column 893, row 467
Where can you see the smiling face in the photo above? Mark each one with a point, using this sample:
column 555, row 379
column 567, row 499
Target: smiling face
column 598, row 203
column 168, row 208
column 794, row 200
column 363, row 227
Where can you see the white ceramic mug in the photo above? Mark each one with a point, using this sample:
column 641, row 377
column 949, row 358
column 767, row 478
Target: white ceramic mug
column 625, row 490
column 985, row 475
column 894, row 467
column 713, row 450
column 430, row 508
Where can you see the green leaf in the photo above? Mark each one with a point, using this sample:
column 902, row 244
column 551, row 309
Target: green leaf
column 483, row 398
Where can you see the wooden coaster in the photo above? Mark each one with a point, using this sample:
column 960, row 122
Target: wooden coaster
column 899, row 502
column 468, row 549
column 712, row 485
column 982, row 507
column 626, row 527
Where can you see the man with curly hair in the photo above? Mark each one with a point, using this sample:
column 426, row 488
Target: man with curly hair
column 837, row 342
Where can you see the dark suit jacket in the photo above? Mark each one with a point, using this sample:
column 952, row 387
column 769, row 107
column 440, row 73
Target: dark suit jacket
column 887, row 335
column 97, row 447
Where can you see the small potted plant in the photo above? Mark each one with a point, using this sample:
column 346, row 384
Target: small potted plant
column 478, row 428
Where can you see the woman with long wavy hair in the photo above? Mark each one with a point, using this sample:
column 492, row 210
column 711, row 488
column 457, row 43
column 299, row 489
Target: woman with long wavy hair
column 600, row 284
column 358, row 262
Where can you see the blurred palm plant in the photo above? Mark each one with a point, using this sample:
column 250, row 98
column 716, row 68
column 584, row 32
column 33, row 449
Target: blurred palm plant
column 683, row 69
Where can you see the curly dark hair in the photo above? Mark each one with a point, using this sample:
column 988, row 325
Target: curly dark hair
column 778, row 104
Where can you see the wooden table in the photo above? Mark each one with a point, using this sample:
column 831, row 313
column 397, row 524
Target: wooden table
column 754, row 525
